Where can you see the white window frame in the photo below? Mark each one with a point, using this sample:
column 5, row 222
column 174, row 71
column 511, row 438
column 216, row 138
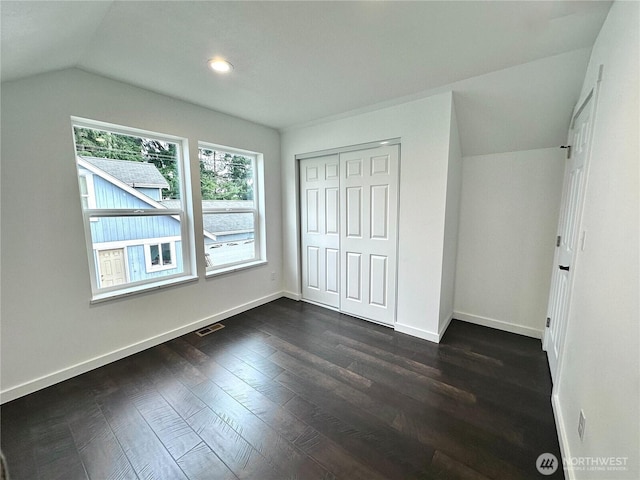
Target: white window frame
column 150, row 267
column 259, row 221
column 184, row 214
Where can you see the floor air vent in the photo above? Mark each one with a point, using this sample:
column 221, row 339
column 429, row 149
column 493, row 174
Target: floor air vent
column 210, row 329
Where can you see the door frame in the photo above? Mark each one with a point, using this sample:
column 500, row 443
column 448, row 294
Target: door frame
column 593, row 96
column 338, row 151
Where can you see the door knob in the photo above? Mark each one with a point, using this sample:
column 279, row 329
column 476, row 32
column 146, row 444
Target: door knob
column 565, row 268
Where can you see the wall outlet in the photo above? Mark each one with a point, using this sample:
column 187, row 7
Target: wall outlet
column 273, row 276
column 581, row 425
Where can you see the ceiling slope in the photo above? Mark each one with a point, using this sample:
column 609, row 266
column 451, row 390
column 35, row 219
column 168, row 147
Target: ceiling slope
column 297, row 62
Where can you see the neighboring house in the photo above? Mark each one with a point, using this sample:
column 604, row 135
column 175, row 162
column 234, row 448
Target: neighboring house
column 228, row 237
column 129, row 248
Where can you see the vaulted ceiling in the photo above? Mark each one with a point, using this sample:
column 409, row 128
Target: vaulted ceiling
column 516, row 67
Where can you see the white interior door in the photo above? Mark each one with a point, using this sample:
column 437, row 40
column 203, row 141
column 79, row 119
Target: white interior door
column 320, row 226
column 368, row 210
column 568, row 233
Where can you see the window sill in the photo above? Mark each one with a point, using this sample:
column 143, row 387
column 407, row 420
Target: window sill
column 128, row 291
column 235, row 268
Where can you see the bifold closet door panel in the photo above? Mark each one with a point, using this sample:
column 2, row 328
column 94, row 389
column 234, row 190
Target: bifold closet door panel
column 320, row 229
column 368, row 240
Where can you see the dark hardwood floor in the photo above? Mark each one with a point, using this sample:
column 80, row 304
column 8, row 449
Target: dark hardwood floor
column 294, row 391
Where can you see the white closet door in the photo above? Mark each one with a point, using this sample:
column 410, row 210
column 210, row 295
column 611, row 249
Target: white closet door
column 320, row 226
column 368, row 211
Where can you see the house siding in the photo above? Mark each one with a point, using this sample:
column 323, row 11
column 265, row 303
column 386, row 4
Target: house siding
column 154, row 193
column 109, row 195
column 124, row 229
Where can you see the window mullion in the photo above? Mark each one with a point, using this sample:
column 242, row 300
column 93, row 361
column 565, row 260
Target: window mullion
column 156, row 212
column 228, row 210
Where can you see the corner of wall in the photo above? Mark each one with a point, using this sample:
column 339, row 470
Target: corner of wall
column 452, row 214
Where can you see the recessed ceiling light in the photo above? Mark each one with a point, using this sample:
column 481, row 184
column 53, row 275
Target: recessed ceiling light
column 220, row 65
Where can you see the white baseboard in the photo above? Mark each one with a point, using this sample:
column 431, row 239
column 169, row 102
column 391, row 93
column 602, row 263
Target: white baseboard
column 562, row 435
column 424, row 334
column 498, row 324
column 99, row 361
column 293, row 296
column 417, row 332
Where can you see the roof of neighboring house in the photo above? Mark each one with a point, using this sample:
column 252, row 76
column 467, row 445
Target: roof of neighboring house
column 227, row 223
column 223, row 223
column 134, row 174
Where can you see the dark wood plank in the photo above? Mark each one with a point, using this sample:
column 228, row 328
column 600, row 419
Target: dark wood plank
column 56, row 456
column 427, row 382
column 276, row 449
column 386, row 383
column 171, row 429
column 260, row 406
column 231, row 371
column 188, row 374
column 396, row 442
column 292, row 390
column 218, row 395
column 201, row 463
column 99, row 448
column 341, row 464
column 318, row 363
column 383, row 354
column 312, row 344
column 16, row 441
column 49, row 438
column 147, row 454
column 236, row 453
column 376, row 449
column 450, row 468
column 352, row 395
column 181, row 398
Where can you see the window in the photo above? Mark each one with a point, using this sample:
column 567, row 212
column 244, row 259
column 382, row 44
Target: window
column 230, row 207
column 131, row 190
column 138, row 231
column 160, row 256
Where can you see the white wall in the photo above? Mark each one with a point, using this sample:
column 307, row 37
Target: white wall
column 508, row 222
column 424, row 129
column 600, row 364
column 49, row 330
